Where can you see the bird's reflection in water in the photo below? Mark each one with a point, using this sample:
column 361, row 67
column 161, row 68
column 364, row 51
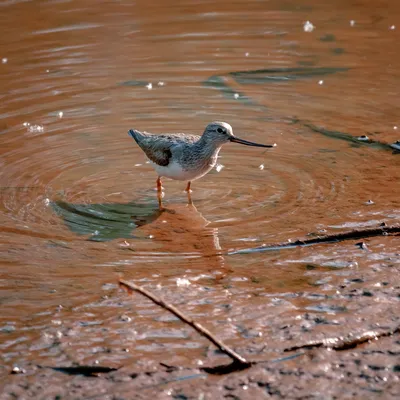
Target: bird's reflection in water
column 175, row 229
column 182, row 229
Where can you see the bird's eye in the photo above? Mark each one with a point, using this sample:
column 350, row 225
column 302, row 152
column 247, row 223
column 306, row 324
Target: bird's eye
column 220, row 130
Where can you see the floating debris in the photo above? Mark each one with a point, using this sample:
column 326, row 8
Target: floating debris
column 247, row 54
column 236, row 95
column 60, row 114
column 36, row 128
column 321, row 82
column 396, row 145
column 395, row 127
column 261, row 167
column 18, row 370
column 219, row 167
column 4, row 60
column 182, row 282
column 308, row 26
column 369, row 202
column 149, row 86
column 26, row 124
column 125, row 318
column 363, row 138
column 161, row 83
column 352, row 22
column 362, row 245
column 46, row 201
column 392, row 28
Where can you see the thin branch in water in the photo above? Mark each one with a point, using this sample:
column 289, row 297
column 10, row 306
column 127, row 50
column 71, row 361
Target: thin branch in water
column 350, row 342
column 338, row 237
column 238, row 361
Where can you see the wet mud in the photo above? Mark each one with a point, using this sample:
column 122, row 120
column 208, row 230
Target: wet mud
column 78, row 209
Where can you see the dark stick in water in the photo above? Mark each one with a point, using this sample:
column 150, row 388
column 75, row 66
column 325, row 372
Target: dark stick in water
column 338, row 237
column 239, row 361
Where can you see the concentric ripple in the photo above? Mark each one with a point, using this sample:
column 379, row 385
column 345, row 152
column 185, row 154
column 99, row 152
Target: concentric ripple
column 78, row 208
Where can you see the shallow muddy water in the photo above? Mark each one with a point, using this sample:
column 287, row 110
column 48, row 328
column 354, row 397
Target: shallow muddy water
column 78, row 208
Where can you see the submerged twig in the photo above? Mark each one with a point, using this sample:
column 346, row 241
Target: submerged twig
column 337, row 237
column 349, row 138
column 238, row 361
column 86, row 370
column 340, row 343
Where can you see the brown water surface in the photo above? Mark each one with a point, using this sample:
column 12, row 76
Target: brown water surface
column 78, row 208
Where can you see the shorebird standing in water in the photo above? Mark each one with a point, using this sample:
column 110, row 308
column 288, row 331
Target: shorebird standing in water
column 186, row 157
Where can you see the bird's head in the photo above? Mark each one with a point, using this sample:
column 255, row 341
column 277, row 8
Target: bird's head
column 218, row 132
column 221, row 132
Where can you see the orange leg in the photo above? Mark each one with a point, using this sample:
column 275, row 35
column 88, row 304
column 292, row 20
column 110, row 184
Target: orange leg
column 159, row 192
column 159, row 197
column 159, row 187
column 188, row 191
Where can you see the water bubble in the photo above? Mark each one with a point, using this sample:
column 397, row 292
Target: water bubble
column 392, row 28
column 352, row 22
column 247, row 54
column 60, row 114
column 219, row 167
column 236, row 95
column 4, row 60
column 26, row 124
column 321, row 82
column 308, row 26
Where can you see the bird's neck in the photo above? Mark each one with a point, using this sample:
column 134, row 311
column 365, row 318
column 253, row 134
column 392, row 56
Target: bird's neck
column 208, row 148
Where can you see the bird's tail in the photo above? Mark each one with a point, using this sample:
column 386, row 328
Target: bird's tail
column 134, row 134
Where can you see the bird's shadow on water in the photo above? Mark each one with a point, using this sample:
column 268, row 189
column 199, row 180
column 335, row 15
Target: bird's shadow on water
column 182, row 229
column 107, row 221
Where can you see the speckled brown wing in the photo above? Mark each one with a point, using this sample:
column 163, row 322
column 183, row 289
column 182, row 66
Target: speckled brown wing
column 158, row 147
column 157, row 150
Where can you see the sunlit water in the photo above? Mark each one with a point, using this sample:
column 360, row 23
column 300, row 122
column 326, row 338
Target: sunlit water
column 78, row 208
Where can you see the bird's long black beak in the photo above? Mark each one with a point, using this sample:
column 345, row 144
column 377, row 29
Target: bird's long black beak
column 247, row 143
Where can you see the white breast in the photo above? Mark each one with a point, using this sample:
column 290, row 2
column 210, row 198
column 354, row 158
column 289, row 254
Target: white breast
column 174, row 171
